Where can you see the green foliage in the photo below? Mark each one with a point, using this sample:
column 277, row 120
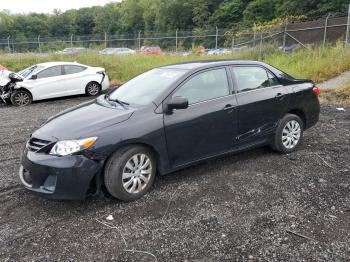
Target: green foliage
column 131, row 16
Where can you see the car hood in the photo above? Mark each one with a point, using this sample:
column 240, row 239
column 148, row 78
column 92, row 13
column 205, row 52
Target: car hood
column 82, row 121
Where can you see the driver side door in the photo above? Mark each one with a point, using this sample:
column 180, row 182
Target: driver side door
column 209, row 125
column 49, row 83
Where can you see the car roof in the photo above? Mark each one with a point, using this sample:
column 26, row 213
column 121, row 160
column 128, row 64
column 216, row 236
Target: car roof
column 211, row 63
column 49, row 64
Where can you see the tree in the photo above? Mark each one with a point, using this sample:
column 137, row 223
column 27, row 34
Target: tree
column 259, row 11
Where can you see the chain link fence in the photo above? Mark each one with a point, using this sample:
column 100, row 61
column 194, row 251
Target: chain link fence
column 285, row 37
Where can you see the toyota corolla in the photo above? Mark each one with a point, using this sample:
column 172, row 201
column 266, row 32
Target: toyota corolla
column 164, row 120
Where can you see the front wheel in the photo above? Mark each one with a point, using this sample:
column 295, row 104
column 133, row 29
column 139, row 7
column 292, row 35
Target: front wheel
column 93, row 89
column 21, row 98
column 289, row 134
column 130, row 172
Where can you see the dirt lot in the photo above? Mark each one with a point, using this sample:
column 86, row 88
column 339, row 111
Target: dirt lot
column 249, row 206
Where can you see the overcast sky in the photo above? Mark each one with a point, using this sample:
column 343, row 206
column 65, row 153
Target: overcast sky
column 46, row 6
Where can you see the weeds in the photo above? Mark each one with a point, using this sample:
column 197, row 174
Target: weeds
column 336, row 96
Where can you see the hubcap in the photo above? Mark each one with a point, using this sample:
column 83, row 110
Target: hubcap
column 136, row 173
column 291, row 134
column 93, row 89
column 22, row 99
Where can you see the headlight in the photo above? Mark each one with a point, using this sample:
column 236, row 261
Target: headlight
column 68, row 147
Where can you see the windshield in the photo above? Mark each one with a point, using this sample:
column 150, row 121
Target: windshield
column 143, row 89
column 30, row 70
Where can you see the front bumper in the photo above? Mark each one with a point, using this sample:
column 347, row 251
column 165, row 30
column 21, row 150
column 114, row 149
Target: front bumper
column 64, row 178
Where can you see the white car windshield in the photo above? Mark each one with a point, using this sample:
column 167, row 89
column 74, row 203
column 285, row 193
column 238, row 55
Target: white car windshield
column 30, row 70
column 143, row 89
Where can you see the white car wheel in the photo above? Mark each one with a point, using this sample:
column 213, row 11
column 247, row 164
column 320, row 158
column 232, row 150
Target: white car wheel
column 93, row 89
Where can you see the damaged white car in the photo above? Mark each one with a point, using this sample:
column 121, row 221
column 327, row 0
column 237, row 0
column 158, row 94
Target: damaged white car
column 51, row 80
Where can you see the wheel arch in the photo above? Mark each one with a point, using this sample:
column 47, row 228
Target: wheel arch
column 155, row 152
column 25, row 89
column 300, row 113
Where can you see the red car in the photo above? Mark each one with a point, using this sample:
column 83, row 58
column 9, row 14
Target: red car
column 152, row 50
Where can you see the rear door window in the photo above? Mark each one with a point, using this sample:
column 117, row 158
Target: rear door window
column 73, row 69
column 50, row 72
column 249, row 78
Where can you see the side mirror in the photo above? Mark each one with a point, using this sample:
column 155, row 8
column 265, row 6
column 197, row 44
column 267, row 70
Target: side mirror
column 178, row 102
column 34, row 77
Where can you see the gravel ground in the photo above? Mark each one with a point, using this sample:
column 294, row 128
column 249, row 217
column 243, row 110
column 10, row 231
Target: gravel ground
column 338, row 81
column 256, row 206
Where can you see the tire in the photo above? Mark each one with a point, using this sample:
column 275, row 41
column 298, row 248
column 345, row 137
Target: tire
column 121, row 174
column 21, row 98
column 289, row 134
column 93, row 89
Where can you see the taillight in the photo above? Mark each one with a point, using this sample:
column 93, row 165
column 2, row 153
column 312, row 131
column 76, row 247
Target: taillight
column 316, row 90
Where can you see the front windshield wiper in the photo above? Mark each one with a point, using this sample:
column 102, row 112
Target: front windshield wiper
column 122, row 103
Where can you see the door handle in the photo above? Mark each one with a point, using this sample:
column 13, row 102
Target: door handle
column 229, row 106
column 279, row 96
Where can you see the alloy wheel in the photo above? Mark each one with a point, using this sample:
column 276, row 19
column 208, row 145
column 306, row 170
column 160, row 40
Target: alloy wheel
column 136, row 173
column 22, row 99
column 93, row 89
column 291, row 134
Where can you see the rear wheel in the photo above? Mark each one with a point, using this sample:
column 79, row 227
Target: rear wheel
column 21, row 98
column 130, row 173
column 289, row 134
column 93, row 89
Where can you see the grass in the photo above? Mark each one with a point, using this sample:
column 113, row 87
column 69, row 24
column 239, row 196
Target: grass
column 318, row 64
column 338, row 96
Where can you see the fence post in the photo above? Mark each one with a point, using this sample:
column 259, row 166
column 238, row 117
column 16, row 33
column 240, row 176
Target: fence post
column 71, row 40
column 325, row 30
column 105, row 39
column 8, row 44
column 347, row 27
column 261, row 42
column 285, row 36
column 232, row 43
column 139, row 40
column 39, row 44
column 254, row 34
column 216, row 37
column 176, row 41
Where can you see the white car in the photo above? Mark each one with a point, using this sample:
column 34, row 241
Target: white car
column 117, row 51
column 57, row 79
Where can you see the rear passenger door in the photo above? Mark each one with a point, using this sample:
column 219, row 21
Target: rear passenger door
column 75, row 79
column 261, row 99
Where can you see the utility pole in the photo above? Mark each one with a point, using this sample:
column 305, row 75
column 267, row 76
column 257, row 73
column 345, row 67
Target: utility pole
column 105, row 39
column 325, row 30
column 216, row 37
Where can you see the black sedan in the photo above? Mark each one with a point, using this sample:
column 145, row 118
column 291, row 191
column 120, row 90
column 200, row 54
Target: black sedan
column 163, row 120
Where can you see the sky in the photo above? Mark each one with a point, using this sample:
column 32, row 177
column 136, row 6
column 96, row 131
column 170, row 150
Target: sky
column 46, row 6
